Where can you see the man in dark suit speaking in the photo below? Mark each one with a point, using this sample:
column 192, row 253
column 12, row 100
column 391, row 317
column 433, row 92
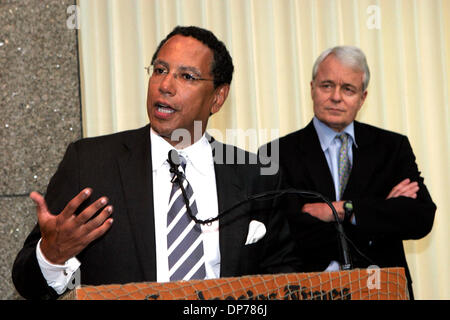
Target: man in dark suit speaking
column 114, row 213
column 370, row 174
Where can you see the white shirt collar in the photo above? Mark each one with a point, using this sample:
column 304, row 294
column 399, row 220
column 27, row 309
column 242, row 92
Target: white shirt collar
column 199, row 154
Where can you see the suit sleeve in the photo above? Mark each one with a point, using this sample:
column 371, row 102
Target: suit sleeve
column 280, row 252
column 26, row 273
column 401, row 217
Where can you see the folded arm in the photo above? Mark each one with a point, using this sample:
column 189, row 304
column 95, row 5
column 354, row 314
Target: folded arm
column 406, row 211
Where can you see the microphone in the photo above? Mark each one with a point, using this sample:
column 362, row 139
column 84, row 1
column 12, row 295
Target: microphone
column 174, row 162
column 174, row 158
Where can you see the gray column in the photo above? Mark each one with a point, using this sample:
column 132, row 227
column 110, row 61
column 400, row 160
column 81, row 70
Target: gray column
column 40, row 112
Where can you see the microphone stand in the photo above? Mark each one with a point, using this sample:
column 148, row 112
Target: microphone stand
column 347, row 265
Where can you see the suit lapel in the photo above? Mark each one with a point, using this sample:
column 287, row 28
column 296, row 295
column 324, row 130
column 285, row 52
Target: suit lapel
column 136, row 175
column 233, row 227
column 316, row 163
column 319, row 171
column 363, row 166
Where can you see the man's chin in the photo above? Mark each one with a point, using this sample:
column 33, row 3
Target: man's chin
column 179, row 138
column 334, row 124
column 161, row 131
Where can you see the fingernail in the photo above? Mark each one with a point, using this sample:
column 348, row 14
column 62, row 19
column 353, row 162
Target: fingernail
column 103, row 201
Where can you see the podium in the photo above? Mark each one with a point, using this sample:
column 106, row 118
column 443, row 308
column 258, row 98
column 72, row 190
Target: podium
column 358, row 284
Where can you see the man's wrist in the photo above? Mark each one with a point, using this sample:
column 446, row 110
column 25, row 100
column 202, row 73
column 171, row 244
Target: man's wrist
column 42, row 258
column 339, row 206
column 57, row 276
column 47, row 254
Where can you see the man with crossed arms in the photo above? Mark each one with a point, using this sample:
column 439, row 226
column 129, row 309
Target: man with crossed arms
column 369, row 173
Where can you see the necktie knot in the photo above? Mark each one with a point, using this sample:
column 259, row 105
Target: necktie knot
column 343, row 137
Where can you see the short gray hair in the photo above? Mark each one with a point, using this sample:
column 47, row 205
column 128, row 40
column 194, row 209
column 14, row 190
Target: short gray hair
column 348, row 55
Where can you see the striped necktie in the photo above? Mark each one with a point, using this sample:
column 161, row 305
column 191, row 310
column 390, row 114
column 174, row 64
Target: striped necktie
column 184, row 240
column 344, row 164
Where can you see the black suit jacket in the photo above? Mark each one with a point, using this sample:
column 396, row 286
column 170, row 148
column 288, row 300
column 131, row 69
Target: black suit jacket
column 119, row 166
column 380, row 162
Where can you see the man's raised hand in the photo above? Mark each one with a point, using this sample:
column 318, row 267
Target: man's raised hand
column 66, row 234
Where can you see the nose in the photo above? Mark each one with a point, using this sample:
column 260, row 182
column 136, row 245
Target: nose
column 336, row 95
column 167, row 84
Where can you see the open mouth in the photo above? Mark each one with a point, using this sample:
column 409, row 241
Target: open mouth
column 163, row 110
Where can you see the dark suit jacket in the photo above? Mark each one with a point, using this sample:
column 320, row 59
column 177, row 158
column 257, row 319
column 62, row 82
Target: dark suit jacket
column 119, row 166
column 380, row 162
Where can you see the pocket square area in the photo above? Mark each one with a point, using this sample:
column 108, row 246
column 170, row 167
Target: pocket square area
column 256, row 230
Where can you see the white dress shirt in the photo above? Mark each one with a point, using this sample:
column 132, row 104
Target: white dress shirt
column 201, row 175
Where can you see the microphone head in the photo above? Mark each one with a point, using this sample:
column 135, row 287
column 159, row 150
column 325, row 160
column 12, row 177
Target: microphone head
column 174, row 158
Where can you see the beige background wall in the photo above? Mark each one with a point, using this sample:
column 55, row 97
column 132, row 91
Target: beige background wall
column 274, row 44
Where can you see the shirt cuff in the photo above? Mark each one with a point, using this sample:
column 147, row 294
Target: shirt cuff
column 333, row 266
column 58, row 276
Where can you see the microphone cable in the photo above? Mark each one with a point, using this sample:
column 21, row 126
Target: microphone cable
column 174, row 162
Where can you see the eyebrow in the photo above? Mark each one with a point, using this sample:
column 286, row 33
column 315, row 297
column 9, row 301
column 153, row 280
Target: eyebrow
column 343, row 85
column 180, row 68
column 157, row 61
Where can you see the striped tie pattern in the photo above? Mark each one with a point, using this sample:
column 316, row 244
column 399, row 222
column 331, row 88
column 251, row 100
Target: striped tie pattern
column 184, row 241
column 344, row 165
